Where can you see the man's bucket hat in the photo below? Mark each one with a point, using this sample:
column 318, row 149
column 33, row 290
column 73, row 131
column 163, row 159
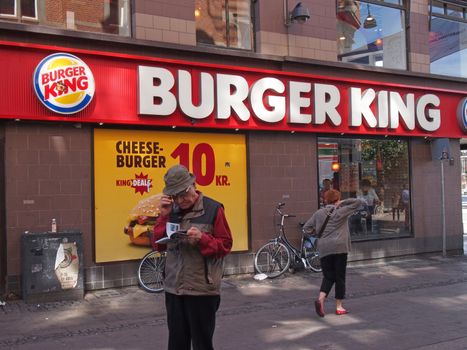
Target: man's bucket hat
column 177, row 179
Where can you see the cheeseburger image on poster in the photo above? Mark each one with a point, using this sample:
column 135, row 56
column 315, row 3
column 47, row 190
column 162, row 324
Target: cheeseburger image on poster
column 141, row 220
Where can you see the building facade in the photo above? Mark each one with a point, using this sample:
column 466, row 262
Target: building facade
column 264, row 101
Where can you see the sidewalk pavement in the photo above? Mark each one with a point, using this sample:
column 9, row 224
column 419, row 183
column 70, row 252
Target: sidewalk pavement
column 416, row 302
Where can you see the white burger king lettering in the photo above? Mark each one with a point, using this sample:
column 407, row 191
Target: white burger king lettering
column 273, row 100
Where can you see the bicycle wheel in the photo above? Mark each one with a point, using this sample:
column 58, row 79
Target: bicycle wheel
column 312, row 259
column 151, row 272
column 272, row 259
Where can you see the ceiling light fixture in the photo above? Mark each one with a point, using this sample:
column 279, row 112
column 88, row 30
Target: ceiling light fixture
column 370, row 21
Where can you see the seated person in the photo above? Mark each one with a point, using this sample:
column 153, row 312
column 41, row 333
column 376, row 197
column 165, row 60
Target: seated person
column 359, row 220
column 368, row 194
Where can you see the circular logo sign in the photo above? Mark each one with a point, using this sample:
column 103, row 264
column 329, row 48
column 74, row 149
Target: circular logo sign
column 462, row 114
column 64, row 83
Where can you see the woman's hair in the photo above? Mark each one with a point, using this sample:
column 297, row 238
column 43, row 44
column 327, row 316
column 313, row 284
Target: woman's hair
column 332, row 196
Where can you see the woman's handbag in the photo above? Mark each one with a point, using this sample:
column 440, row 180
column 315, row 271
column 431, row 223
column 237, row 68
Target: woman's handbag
column 312, row 232
column 328, row 215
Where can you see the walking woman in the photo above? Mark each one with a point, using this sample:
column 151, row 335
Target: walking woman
column 333, row 245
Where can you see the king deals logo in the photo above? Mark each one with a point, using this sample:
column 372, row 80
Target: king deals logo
column 141, row 183
column 64, row 83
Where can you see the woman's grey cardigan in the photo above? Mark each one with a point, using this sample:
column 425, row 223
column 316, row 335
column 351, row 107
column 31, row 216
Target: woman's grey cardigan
column 336, row 236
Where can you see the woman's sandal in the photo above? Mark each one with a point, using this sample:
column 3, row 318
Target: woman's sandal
column 319, row 307
column 341, row 312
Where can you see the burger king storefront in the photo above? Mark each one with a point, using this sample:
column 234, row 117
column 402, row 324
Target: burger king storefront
column 87, row 135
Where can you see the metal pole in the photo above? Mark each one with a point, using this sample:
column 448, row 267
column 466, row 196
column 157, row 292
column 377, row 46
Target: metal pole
column 286, row 13
column 443, row 216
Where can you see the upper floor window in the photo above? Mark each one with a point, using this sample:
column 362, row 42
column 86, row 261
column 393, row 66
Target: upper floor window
column 26, row 9
column 101, row 16
column 224, row 23
column 448, row 38
column 372, row 33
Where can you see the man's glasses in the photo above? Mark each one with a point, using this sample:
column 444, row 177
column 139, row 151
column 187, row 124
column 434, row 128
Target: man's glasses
column 181, row 195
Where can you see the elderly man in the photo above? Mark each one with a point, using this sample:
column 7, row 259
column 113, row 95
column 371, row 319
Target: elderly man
column 193, row 269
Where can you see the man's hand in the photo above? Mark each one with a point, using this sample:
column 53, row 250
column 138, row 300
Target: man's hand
column 193, row 235
column 165, row 206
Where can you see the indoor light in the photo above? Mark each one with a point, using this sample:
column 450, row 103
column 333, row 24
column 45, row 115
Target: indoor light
column 370, row 21
column 335, row 166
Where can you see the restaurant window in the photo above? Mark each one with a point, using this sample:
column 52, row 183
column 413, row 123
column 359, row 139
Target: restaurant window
column 376, row 171
column 448, row 38
column 372, row 33
column 100, row 16
column 224, row 23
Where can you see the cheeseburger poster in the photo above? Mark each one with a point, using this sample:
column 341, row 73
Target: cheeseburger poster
column 129, row 167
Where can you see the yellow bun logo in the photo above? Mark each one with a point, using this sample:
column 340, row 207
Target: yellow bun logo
column 64, row 83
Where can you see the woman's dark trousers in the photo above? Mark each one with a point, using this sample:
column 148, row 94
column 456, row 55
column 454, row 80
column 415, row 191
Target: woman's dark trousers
column 334, row 270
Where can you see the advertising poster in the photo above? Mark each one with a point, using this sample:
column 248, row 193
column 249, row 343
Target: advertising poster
column 129, row 167
column 67, row 265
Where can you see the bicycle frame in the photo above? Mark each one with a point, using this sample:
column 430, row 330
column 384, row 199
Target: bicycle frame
column 298, row 255
column 278, row 254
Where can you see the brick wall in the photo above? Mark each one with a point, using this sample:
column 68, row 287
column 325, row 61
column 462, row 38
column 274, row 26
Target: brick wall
column 165, row 21
column 419, row 57
column 47, row 175
column 315, row 39
column 426, row 187
column 79, row 15
column 282, row 168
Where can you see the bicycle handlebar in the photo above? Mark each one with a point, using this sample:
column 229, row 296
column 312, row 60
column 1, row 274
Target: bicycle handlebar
column 281, row 205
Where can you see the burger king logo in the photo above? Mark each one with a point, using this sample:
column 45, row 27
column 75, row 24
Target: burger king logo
column 64, row 83
column 462, row 114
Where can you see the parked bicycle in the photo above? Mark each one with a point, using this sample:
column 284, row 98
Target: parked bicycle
column 151, row 271
column 278, row 255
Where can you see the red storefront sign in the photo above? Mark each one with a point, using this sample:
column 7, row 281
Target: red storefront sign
column 139, row 90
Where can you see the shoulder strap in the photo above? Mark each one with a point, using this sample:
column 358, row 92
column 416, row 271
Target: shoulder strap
column 328, row 215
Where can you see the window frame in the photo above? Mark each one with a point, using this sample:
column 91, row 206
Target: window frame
column 227, row 30
column 124, row 8
column 405, row 7
column 14, row 15
column 36, row 18
column 447, row 17
column 17, row 12
column 445, row 3
column 353, row 237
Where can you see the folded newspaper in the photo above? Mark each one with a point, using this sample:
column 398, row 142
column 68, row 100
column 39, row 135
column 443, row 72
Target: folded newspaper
column 172, row 236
